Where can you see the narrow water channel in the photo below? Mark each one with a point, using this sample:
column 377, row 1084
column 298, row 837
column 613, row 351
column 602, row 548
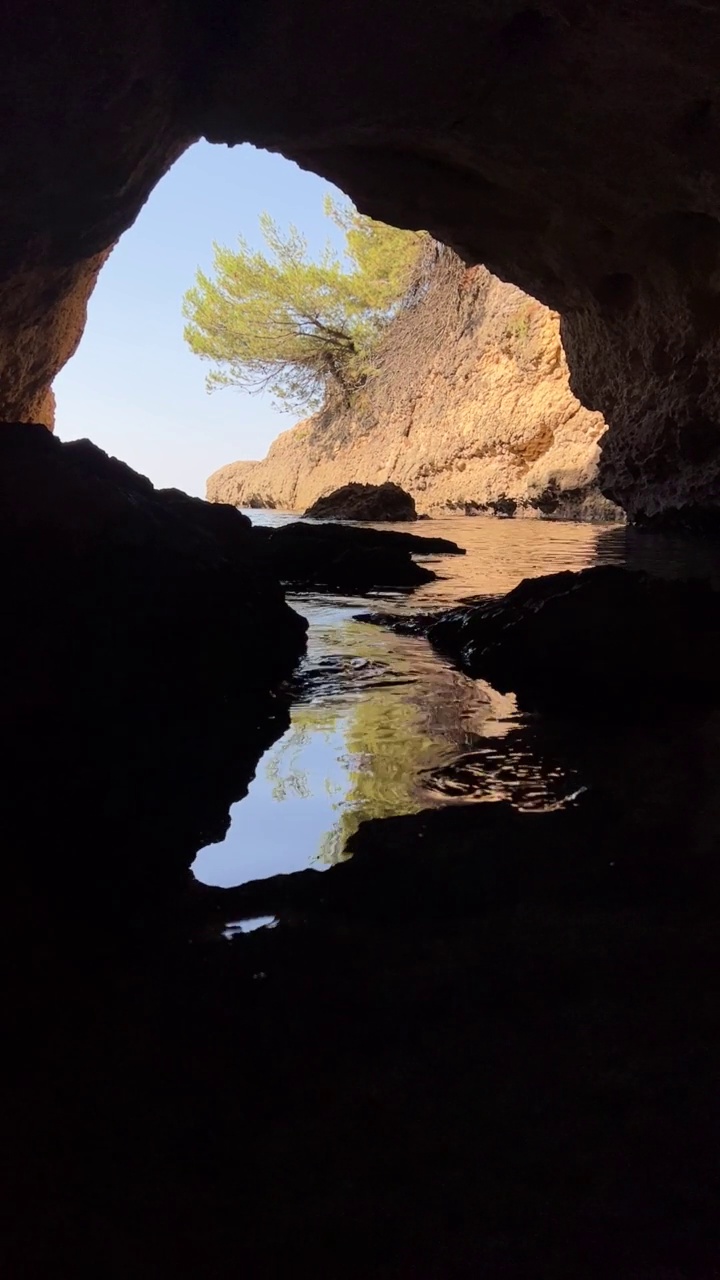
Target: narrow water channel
column 383, row 726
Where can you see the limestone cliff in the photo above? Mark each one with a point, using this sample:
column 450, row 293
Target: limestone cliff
column 470, row 410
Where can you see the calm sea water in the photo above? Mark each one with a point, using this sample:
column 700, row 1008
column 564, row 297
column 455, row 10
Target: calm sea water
column 383, row 726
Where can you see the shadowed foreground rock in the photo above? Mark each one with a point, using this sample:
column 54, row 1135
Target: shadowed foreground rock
column 580, row 641
column 337, row 557
column 365, row 502
column 482, row 1036
column 488, row 1044
column 143, row 656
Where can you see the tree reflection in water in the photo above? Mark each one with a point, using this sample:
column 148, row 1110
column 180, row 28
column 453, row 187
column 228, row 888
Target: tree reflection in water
column 400, row 712
column 375, row 713
column 383, row 726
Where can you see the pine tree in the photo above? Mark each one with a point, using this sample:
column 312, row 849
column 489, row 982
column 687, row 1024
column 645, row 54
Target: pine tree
column 306, row 331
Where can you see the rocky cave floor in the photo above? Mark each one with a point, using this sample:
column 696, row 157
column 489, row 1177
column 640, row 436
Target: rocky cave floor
column 492, row 1049
column 488, row 1044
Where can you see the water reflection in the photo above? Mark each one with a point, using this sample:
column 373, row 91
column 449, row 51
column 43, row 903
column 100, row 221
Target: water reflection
column 500, row 553
column 234, row 927
column 374, row 713
column 511, row 770
column 382, row 726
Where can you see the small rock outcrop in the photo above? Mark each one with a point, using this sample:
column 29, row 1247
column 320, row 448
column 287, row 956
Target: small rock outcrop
column 337, row 557
column 470, row 411
column 373, row 502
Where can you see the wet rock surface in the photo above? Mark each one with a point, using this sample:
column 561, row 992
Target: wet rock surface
column 582, row 640
column 337, row 557
column 365, row 502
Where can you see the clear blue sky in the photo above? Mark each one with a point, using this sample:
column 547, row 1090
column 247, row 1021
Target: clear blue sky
column 133, row 387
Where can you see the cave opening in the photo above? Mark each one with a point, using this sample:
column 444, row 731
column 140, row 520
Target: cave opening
column 369, row 741
column 133, row 387
column 488, row 1042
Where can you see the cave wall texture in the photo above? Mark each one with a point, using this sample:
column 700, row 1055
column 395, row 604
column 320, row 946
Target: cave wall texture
column 571, row 146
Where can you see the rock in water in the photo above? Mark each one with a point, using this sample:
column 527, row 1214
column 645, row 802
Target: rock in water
column 335, row 557
column 591, row 641
column 365, row 502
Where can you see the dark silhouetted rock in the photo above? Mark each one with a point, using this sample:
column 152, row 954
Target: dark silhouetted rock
column 337, row 557
column 365, row 502
column 144, row 650
column 470, row 1008
column 607, row 638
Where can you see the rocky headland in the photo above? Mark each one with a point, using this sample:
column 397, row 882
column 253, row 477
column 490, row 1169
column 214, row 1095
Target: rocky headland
column 470, row 411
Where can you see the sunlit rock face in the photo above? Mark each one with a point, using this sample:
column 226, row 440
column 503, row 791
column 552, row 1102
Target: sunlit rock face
column 469, row 410
column 573, row 149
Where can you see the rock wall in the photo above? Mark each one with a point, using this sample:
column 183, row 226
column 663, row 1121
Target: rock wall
column 471, row 410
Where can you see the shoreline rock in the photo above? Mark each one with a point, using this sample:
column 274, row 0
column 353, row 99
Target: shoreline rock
column 579, row 642
column 345, row 558
column 371, row 502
